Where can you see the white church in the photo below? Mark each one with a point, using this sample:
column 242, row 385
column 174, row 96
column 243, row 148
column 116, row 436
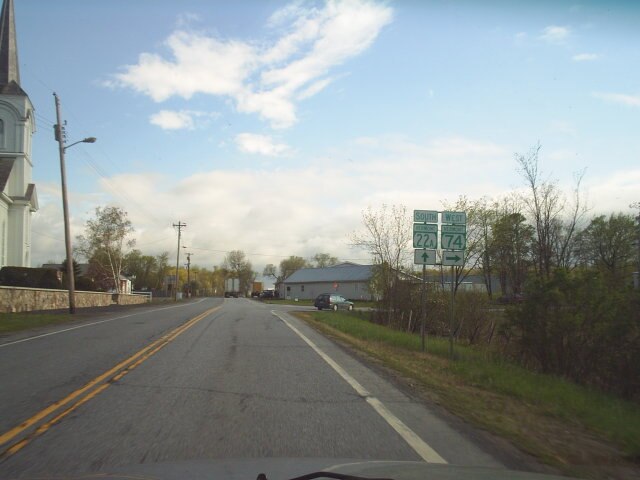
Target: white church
column 17, row 124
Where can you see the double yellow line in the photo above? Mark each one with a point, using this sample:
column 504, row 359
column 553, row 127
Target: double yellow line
column 87, row 392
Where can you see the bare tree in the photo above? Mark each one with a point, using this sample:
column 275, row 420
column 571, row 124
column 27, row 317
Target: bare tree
column 105, row 239
column 555, row 228
column 387, row 237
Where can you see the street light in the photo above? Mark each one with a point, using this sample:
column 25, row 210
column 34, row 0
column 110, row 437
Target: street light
column 59, row 136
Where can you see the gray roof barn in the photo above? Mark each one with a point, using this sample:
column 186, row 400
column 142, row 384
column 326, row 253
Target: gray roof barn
column 343, row 272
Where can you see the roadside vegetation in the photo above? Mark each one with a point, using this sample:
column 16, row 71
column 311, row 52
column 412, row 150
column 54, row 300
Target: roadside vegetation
column 579, row 430
column 15, row 322
column 546, row 319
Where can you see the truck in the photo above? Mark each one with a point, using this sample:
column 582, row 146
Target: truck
column 232, row 287
column 256, row 289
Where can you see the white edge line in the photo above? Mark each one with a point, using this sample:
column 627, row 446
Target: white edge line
column 35, row 337
column 427, row 453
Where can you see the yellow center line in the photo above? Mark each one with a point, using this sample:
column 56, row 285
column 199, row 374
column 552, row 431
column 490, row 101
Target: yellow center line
column 123, row 368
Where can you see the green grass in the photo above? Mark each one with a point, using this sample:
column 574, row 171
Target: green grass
column 15, row 322
column 616, row 420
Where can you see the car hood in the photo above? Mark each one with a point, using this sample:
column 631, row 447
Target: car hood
column 287, row 468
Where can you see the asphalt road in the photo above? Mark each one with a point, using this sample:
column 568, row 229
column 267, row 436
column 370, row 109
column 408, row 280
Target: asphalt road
column 208, row 379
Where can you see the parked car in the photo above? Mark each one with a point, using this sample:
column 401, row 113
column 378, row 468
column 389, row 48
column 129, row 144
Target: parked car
column 255, row 294
column 267, row 294
column 332, row 301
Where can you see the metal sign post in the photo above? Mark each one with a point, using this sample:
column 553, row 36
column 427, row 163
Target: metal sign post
column 453, row 243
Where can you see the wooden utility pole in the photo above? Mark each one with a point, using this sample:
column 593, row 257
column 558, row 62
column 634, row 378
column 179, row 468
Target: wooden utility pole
column 179, row 226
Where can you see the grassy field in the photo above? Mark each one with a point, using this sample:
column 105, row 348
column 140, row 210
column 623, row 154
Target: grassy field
column 14, row 322
column 579, row 431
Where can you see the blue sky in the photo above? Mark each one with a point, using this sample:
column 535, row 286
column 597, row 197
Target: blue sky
column 268, row 126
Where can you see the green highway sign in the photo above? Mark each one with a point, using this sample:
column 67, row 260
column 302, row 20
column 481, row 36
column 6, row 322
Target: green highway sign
column 454, row 229
column 453, row 240
column 453, row 259
column 456, row 218
column 425, row 228
column 425, row 216
column 424, row 257
column 425, row 239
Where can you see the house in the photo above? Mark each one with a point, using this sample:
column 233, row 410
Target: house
column 18, row 198
column 347, row 279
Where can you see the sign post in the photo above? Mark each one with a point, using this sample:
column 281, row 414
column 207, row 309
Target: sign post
column 425, row 241
column 454, row 241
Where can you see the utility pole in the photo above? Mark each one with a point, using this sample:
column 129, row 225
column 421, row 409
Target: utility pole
column 180, row 226
column 636, row 275
column 189, row 274
column 59, row 136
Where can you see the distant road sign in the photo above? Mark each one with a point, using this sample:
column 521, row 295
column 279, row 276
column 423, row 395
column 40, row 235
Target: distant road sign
column 453, row 259
column 457, row 218
column 425, row 216
column 425, row 227
column 425, row 239
column 454, row 229
column 424, row 257
column 453, row 240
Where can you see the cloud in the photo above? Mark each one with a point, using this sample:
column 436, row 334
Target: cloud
column 263, row 78
column 178, row 120
column 555, row 34
column 625, row 99
column 585, row 57
column 169, row 120
column 301, row 209
column 260, row 144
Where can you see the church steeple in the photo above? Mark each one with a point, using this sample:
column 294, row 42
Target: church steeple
column 9, row 69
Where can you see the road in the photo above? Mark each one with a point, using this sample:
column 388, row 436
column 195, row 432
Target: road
column 207, row 379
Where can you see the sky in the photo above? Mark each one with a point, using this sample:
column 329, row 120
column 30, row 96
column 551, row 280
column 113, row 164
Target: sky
column 269, row 126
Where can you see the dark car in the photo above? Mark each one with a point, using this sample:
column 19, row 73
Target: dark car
column 332, row 301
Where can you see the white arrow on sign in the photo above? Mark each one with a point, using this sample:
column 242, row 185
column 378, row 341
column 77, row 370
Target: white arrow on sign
column 453, row 259
column 424, row 257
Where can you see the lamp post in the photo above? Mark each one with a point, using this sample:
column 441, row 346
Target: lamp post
column 59, row 136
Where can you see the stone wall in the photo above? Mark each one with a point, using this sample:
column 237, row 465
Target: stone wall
column 19, row 299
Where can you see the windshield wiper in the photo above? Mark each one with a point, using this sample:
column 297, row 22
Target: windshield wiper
column 337, row 476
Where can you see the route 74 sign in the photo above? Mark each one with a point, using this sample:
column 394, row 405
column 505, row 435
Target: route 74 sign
column 424, row 257
column 453, row 237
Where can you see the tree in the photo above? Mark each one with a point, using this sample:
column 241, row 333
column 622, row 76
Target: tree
column 324, row 260
column 105, row 239
column 387, row 237
column 290, row 265
column 236, row 263
column 147, row 271
column 554, row 228
column 511, row 250
column 608, row 244
column 270, row 270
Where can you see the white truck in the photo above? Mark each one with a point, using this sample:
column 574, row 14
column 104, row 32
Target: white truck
column 232, row 287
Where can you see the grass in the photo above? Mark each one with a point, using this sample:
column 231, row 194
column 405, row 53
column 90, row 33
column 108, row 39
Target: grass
column 15, row 322
column 578, row 430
